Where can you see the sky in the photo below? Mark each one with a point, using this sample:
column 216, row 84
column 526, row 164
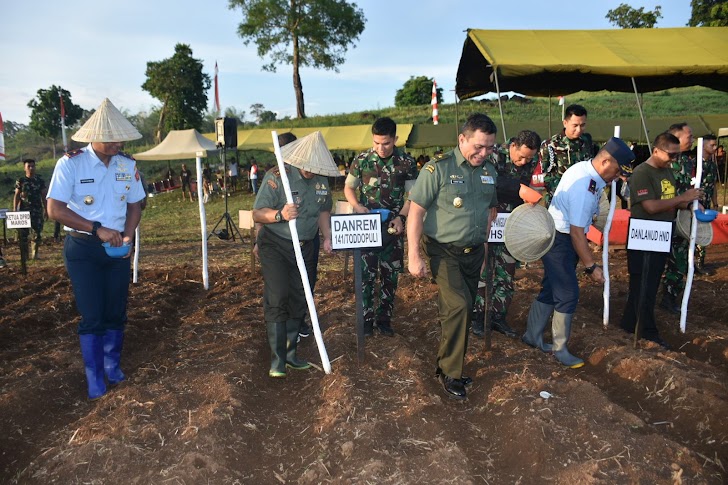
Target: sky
column 100, row 48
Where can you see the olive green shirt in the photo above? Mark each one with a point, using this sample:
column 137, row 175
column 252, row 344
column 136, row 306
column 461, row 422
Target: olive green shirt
column 457, row 198
column 651, row 183
column 312, row 196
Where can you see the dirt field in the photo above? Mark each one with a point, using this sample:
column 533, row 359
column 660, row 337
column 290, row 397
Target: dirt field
column 198, row 406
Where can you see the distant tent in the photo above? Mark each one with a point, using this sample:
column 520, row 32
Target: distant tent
column 180, row 145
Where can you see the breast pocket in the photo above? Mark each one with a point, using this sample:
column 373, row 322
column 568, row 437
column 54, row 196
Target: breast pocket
column 86, row 197
column 121, row 192
column 455, row 197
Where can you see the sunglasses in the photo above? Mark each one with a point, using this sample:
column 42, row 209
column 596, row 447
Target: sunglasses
column 671, row 155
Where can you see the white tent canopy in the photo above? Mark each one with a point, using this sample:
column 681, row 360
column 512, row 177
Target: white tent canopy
column 180, row 145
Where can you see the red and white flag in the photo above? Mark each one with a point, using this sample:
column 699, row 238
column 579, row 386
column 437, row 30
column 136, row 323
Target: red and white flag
column 217, row 92
column 63, row 123
column 2, row 139
column 435, row 116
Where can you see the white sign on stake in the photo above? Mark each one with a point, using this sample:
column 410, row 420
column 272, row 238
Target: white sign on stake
column 497, row 229
column 644, row 235
column 18, row 220
column 354, row 231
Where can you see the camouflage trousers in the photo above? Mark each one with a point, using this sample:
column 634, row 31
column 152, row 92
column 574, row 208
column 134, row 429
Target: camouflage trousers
column 700, row 256
column 677, row 267
column 387, row 265
column 24, row 235
column 503, row 288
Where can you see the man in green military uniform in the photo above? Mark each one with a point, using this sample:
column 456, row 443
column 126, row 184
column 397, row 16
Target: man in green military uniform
column 380, row 174
column 683, row 169
column 284, row 300
column 452, row 206
column 30, row 195
column 515, row 162
column 565, row 149
column 708, row 181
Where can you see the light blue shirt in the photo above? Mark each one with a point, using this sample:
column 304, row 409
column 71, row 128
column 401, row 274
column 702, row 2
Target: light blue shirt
column 576, row 199
column 96, row 192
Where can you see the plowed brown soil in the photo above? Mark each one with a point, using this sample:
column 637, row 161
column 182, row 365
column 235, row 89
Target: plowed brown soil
column 198, row 406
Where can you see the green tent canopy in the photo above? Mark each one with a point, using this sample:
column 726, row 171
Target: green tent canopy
column 561, row 62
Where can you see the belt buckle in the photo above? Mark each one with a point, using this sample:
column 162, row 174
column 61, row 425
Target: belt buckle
column 467, row 250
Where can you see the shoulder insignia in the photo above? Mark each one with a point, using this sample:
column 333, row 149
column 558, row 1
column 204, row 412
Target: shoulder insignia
column 430, row 168
column 126, row 155
column 438, row 157
column 272, row 184
column 136, row 174
column 74, row 153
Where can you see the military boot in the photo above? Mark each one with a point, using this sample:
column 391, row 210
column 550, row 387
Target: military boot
column 669, row 304
column 561, row 330
column 277, row 342
column 385, row 328
column 538, row 318
column 292, row 328
column 498, row 323
column 479, row 324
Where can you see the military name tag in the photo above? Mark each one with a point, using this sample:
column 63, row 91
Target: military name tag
column 487, row 179
column 123, row 177
column 87, row 181
column 457, row 181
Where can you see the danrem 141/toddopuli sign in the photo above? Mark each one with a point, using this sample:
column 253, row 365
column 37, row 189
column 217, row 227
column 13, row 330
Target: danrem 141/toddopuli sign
column 353, row 231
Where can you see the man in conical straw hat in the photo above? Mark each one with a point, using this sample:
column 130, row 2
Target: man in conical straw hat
column 575, row 202
column 284, row 299
column 96, row 193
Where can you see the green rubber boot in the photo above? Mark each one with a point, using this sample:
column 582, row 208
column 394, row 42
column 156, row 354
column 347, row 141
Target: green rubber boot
column 292, row 327
column 561, row 330
column 538, row 318
column 277, row 342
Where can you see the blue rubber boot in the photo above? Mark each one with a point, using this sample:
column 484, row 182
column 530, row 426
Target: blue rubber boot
column 113, row 342
column 92, row 350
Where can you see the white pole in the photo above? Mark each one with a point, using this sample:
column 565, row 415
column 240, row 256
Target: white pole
column 693, row 234
column 500, row 105
column 642, row 115
column 137, row 240
column 299, row 260
column 605, row 245
column 203, row 221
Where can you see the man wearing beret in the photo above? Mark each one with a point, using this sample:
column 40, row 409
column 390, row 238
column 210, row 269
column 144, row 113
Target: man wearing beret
column 575, row 202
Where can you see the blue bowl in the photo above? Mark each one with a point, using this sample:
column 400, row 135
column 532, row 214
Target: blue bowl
column 382, row 212
column 706, row 216
column 118, row 251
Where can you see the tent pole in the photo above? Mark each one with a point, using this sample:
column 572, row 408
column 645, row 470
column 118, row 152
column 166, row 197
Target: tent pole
column 500, row 106
column 642, row 116
column 457, row 117
column 550, row 113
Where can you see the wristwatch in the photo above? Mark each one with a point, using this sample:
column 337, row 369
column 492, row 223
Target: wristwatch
column 403, row 217
column 591, row 268
column 95, row 227
column 279, row 215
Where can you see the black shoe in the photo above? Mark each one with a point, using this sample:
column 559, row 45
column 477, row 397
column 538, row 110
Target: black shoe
column 467, row 381
column 368, row 329
column 454, row 388
column 385, row 328
column 668, row 303
column 501, row 326
column 479, row 324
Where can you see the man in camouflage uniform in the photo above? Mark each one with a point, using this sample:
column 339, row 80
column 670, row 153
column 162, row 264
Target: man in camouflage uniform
column 30, row 195
column 515, row 162
column 683, row 168
column 380, row 174
column 708, row 181
column 565, row 149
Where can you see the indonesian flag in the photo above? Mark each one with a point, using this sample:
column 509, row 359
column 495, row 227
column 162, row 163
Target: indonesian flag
column 435, row 117
column 2, row 139
column 217, row 92
column 561, row 100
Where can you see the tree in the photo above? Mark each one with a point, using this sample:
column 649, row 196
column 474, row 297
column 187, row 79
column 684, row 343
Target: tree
column 239, row 115
column 626, row 17
column 416, row 91
column 181, row 86
column 45, row 117
column 315, row 33
column 709, row 13
column 267, row 117
column 256, row 110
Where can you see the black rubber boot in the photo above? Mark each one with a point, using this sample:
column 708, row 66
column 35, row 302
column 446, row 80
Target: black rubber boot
column 277, row 342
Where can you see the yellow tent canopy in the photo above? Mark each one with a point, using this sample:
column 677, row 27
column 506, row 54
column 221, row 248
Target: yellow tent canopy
column 357, row 137
column 561, row 62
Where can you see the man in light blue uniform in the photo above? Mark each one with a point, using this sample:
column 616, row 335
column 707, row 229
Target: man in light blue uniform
column 575, row 202
column 96, row 193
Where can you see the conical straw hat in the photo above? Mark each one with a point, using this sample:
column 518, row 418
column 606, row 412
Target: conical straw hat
column 704, row 234
column 600, row 221
column 311, row 154
column 529, row 232
column 107, row 124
